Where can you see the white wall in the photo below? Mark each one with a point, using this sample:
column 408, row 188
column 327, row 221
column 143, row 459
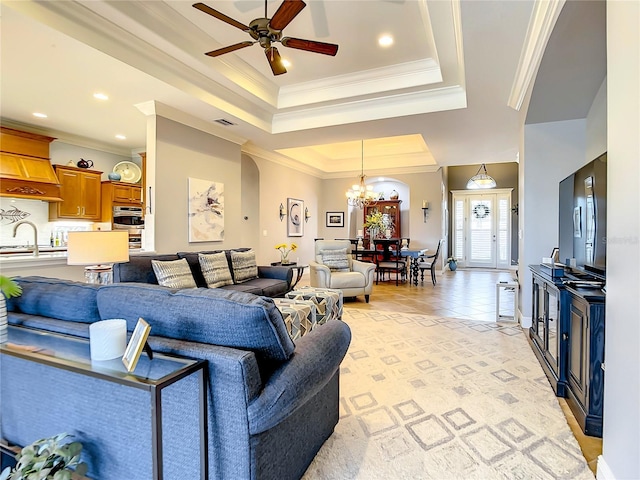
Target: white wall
column 182, row 152
column 597, row 125
column 553, row 151
column 277, row 183
column 621, row 439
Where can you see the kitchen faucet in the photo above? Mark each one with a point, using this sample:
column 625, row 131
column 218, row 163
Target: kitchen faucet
column 36, row 252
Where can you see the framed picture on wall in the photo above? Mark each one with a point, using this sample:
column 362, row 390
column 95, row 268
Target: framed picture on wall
column 295, row 225
column 335, row 219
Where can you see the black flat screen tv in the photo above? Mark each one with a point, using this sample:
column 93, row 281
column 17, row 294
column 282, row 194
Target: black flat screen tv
column 583, row 217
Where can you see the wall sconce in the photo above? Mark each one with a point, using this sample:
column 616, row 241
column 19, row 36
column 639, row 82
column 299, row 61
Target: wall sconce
column 425, row 210
column 307, row 215
column 283, row 212
column 515, row 209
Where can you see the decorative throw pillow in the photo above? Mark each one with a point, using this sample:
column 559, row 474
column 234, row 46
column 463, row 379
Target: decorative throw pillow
column 215, row 269
column 174, row 273
column 244, row 265
column 337, row 260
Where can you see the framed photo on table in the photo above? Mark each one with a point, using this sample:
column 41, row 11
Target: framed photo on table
column 335, row 219
column 295, row 214
column 135, row 345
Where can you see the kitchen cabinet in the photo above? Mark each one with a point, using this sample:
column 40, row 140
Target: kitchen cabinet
column 119, row 194
column 585, row 395
column 80, row 192
column 25, row 168
column 389, row 207
column 548, row 330
column 123, row 193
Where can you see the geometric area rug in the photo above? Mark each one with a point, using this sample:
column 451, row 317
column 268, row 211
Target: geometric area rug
column 425, row 397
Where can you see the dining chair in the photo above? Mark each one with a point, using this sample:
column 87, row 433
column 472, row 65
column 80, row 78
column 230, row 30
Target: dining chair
column 391, row 261
column 429, row 262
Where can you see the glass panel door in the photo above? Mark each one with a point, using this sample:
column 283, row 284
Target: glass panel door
column 481, row 251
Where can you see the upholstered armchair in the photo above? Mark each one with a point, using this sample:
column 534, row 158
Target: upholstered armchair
column 334, row 267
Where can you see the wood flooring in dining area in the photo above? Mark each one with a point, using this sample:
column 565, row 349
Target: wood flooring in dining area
column 468, row 294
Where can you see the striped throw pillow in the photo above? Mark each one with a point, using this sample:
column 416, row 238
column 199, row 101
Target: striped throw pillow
column 337, row 260
column 215, row 269
column 174, row 273
column 244, row 265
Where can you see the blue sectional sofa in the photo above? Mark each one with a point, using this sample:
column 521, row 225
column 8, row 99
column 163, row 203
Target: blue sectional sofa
column 271, row 403
column 272, row 281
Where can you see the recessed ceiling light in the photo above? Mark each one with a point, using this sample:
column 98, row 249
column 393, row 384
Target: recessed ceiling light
column 40, row 115
column 100, row 96
column 121, row 137
column 385, row 41
column 286, row 63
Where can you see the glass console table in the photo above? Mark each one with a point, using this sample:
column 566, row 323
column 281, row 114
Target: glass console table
column 73, row 354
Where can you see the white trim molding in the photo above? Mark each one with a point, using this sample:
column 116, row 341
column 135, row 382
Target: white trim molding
column 543, row 19
column 603, row 471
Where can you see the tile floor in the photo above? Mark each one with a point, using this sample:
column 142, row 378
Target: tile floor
column 467, row 294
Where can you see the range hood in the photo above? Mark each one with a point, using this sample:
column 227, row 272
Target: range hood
column 25, row 168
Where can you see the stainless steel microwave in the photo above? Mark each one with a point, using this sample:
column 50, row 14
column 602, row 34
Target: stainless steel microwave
column 128, row 217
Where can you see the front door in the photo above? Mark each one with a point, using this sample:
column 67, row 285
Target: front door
column 482, row 228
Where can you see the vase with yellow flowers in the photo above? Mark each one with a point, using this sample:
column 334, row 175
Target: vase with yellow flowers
column 285, row 250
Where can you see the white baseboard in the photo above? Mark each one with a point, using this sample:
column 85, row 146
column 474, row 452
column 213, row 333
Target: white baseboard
column 603, row 471
column 525, row 322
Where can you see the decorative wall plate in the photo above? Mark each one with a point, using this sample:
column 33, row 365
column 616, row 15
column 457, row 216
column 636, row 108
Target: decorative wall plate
column 129, row 172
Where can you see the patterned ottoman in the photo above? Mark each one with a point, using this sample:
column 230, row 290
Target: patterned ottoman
column 299, row 316
column 328, row 301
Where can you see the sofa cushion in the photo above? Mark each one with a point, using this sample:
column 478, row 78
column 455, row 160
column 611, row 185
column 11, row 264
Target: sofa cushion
column 244, row 265
column 194, row 262
column 215, row 316
column 215, row 269
column 55, row 298
column 174, row 273
column 139, row 269
column 337, row 260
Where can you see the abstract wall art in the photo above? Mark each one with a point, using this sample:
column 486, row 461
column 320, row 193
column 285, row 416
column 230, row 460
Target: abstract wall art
column 206, row 211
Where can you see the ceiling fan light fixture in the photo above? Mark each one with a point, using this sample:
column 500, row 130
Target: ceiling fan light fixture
column 267, row 31
column 481, row 180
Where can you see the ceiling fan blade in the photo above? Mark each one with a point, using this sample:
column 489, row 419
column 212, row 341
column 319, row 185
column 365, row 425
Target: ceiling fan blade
column 310, row 46
column 230, row 48
column 286, row 12
column 275, row 61
column 220, row 16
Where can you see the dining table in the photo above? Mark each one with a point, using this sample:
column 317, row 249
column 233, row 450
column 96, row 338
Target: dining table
column 414, row 258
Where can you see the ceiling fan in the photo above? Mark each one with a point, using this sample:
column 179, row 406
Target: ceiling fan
column 265, row 31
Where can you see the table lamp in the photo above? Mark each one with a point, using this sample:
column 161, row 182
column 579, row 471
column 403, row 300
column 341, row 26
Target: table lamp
column 98, row 250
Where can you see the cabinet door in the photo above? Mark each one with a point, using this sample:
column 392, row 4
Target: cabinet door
column 552, row 314
column 136, row 194
column 538, row 324
column 71, row 193
column 91, row 196
column 578, row 349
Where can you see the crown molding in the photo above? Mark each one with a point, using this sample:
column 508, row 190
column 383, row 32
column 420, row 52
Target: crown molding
column 413, row 103
column 154, row 107
column 253, row 150
column 70, row 138
column 543, row 19
column 378, row 80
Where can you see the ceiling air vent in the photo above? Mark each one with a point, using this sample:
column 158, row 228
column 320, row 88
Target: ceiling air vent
column 224, row 122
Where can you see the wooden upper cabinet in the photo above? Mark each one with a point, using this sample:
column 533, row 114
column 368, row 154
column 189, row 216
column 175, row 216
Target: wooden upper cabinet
column 80, row 191
column 126, row 193
column 25, row 169
column 390, row 207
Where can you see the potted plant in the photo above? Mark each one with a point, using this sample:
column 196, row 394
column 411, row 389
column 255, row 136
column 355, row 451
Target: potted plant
column 453, row 263
column 48, row 459
column 285, row 251
column 9, row 289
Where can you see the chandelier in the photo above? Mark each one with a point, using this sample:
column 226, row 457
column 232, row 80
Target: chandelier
column 481, row 180
column 361, row 195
